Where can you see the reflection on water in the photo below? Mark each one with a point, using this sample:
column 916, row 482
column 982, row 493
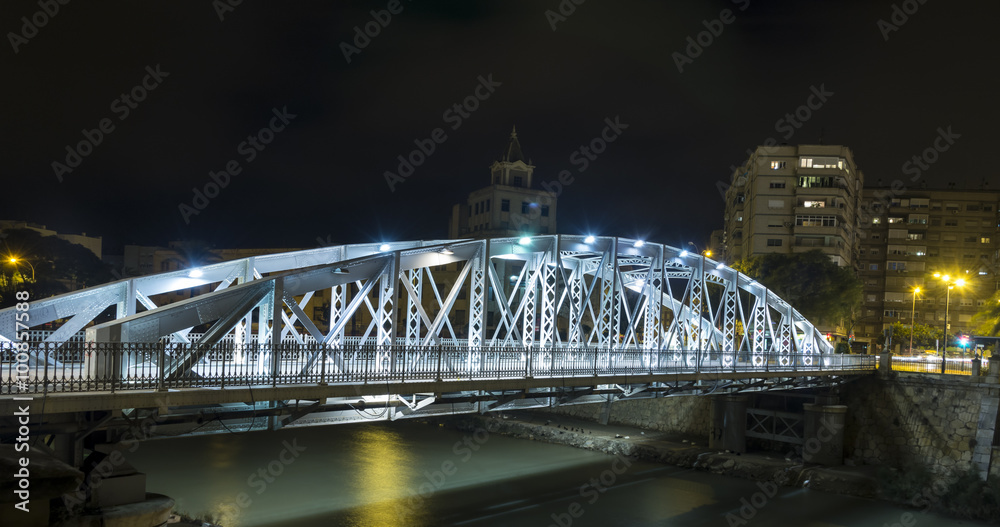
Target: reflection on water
column 383, row 465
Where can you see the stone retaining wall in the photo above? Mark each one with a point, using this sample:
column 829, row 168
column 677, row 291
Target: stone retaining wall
column 942, row 423
column 687, row 415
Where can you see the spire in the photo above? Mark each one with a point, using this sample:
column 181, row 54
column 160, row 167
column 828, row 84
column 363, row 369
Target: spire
column 512, row 152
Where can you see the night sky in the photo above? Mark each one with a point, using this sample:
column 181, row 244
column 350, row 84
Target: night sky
column 322, row 175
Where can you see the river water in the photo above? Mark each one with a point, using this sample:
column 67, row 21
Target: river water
column 408, row 474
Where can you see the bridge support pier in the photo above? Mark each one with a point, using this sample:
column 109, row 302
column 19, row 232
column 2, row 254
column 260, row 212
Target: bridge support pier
column 824, row 432
column 729, row 423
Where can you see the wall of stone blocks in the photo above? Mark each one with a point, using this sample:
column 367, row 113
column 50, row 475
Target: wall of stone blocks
column 687, row 415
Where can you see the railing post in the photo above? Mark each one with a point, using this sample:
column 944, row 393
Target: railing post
column 160, row 355
column 45, row 378
column 527, row 363
column 321, row 351
column 440, row 351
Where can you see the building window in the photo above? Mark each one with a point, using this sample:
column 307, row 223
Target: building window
column 524, row 207
column 895, row 266
column 875, row 252
column 774, row 242
column 775, row 165
column 814, row 204
column 545, row 210
column 815, row 221
column 895, row 220
column 518, row 181
column 984, row 239
column 876, row 221
column 505, row 205
column 775, row 203
column 487, row 205
column 777, row 184
column 873, row 267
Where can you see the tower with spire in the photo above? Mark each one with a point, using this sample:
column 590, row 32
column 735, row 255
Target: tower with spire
column 510, row 205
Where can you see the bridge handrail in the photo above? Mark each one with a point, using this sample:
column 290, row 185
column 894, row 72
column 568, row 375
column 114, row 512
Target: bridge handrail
column 87, row 367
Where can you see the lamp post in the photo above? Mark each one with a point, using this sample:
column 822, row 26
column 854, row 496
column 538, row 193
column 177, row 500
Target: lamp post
column 913, row 310
column 951, row 283
column 15, row 261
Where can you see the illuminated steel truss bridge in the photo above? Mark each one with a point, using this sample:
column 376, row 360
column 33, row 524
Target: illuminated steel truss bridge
column 415, row 328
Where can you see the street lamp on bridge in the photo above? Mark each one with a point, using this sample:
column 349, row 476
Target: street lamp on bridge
column 913, row 310
column 15, row 260
column 951, row 282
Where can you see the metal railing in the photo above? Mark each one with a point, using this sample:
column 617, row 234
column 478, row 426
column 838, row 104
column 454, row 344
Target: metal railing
column 110, row 367
column 929, row 364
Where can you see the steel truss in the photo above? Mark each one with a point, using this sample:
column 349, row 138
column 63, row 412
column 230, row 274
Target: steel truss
column 539, row 292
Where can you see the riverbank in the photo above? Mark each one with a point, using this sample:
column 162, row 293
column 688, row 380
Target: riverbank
column 693, row 452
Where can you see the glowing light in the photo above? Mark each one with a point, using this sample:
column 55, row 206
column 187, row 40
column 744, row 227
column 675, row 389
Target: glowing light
column 708, row 253
column 720, row 266
column 384, row 247
column 960, row 282
column 683, row 254
column 195, row 273
column 589, row 239
column 638, row 243
column 524, row 241
column 447, row 251
column 916, row 290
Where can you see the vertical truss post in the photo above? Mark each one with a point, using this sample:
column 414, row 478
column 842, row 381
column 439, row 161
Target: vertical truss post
column 784, row 340
column 126, row 306
column 386, row 312
column 654, row 305
column 730, row 303
column 477, row 296
column 530, row 294
column 607, row 330
column 415, row 276
column 576, row 305
column 548, row 279
column 274, row 313
column 759, row 326
column 338, row 295
column 696, row 301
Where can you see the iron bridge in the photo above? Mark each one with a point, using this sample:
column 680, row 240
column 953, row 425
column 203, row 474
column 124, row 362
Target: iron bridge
column 446, row 326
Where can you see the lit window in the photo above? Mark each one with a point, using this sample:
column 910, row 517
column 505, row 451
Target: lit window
column 984, row 239
column 895, row 220
column 814, row 204
column 873, row 267
column 876, row 221
column 775, row 165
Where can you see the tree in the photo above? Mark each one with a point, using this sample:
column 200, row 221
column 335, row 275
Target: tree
column 818, row 288
column 58, row 264
column 988, row 318
column 924, row 336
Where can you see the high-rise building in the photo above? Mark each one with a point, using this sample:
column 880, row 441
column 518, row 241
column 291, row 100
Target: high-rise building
column 509, row 206
column 909, row 235
column 787, row 199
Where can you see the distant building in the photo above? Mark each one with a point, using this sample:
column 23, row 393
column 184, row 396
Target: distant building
column 509, row 206
column 788, row 199
column 93, row 244
column 908, row 236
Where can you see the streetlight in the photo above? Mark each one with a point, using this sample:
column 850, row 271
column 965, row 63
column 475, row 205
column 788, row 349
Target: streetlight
column 15, row 261
column 951, row 282
column 912, row 313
